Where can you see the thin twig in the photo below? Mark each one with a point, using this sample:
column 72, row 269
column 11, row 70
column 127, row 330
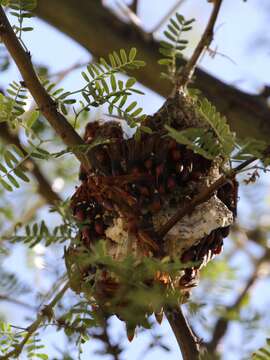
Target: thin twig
column 7, row 298
column 130, row 14
column 186, row 339
column 44, row 314
column 45, row 103
column 60, row 75
column 203, row 44
column 203, row 196
column 109, row 348
column 44, row 187
column 222, row 323
column 25, row 218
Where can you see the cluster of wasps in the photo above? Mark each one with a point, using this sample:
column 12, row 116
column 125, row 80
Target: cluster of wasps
column 133, row 180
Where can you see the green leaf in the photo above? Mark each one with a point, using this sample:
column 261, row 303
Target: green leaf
column 32, row 118
column 105, row 86
column 104, row 63
column 27, row 28
column 5, row 185
column 130, row 82
column 123, row 56
column 85, row 76
column 38, row 156
column 57, row 92
column 95, row 69
column 113, row 82
column 17, row 150
column 166, row 52
column 132, row 54
column 173, row 30
column 10, row 158
column 13, row 180
column 263, row 353
column 174, row 23
column 131, row 106
column 117, row 58
column 123, row 101
column 139, row 63
column 219, row 125
column 91, row 71
column 20, row 174
column 180, row 18
column 3, row 169
column 137, row 91
column 166, row 62
column 166, row 45
column 42, row 356
column 112, row 61
column 170, row 36
column 188, row 137
column 187, row 28
column 172, row 49
column 188, row 22
column 120, row 85
column 136, row 112
column 63, row 109
column 69, row 101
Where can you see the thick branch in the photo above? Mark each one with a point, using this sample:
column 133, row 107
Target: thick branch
column 188, row 70
column 45, row 313
column 43, row 100
column 44, row 187
column 185, row 337
column 248, row 115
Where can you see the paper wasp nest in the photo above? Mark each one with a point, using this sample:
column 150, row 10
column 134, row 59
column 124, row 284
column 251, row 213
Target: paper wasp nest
column 133, row 188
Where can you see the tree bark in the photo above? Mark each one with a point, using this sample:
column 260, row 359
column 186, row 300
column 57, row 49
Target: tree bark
column 100, row 31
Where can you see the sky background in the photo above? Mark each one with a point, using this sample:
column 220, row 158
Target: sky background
column 240, row 62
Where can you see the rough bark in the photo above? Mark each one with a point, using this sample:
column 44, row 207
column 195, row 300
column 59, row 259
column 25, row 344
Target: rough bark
column 43, row 100
column 101, row 32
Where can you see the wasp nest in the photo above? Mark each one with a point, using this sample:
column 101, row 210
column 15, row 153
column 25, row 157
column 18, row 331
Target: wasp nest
column 132, row 190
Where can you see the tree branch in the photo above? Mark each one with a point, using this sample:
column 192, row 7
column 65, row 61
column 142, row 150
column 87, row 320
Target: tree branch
column 44, row 187
column 222, row 323
column 203, row 196
column 46, row 312
column 7, row 298
column 187, row 340
column 46, row 104
column 134, row 6
column 131, row 15
column 188, row 70
column 24, row 219
column 248, row 115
